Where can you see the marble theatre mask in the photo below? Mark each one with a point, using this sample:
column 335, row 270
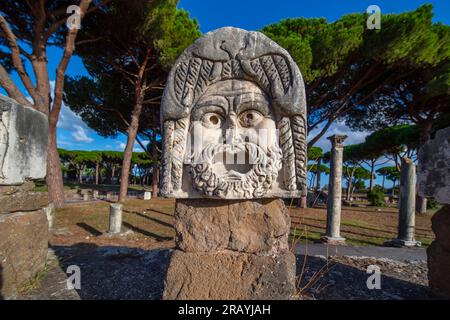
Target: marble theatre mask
column 234, row 120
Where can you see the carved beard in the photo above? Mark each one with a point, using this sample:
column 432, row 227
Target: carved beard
column 232, row 185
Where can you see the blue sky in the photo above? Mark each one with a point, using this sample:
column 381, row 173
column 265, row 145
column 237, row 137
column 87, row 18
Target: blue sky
column 246, row 14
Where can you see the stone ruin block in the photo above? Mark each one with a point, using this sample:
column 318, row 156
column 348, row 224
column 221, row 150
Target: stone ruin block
column 434, row 167
column 23, row 143
column 23, row 220
column 234, row 140
column 434, row 181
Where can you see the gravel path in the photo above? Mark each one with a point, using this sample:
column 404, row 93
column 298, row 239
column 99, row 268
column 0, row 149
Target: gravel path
column 392, row 253
column 126, row 273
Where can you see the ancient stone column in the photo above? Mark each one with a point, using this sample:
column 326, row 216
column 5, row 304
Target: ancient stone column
column 85, row 196
column 333, row 232
column 115, row 218
column 50, row 213
column 234, row 143
column 407, row 211
column 434, row 181
column 95, row 194
column 23, row 221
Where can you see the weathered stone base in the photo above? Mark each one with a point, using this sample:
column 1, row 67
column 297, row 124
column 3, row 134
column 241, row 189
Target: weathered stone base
column 439, row 254
column 399, row 243
column 23, row 249
column 336, row 241
column 231, row 249
column 230, row 275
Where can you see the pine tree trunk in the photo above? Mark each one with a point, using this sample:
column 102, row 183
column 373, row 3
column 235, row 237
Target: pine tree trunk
column 349, row 187
column 96, row 172
column 128, row 152
column 372, row 169
column 421, row 202
column 319, row 173
column 54, row 179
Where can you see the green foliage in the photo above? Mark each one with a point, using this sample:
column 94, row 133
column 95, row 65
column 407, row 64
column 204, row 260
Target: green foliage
column 391, row 173
column 370, row 78
column 376, row 196
column 116, row 40
column 394, row 138
column 172, row 30
column 323, row 168
column 315, row 153
column 432, row 203
column 319, row 48
column 360, row 173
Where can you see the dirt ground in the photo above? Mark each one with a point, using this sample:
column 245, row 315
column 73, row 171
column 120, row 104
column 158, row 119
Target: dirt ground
column 148, row 225
column 133, row 264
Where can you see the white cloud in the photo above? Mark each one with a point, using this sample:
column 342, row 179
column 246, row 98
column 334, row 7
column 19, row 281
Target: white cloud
column 80, row 134
column 68, row 119
column 340, row 128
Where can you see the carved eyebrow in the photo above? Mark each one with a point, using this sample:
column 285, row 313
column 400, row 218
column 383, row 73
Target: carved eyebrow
column 248, row 101
column 211, row 104
column 212, row 100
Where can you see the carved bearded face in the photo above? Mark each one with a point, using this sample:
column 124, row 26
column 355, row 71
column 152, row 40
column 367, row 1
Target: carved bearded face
column 234, row 141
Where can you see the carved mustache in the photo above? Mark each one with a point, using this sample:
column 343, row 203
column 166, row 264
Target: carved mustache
column 255, row 154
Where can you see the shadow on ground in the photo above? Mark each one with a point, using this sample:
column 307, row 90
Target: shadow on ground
column 331, row 280
column 132, row 273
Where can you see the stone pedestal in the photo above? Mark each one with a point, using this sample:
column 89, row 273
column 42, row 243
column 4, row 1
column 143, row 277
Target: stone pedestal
column 23, row 237
column 147, row 195
column 333, row 235
column 407, row 217
column 23, row 222
column 115, row 218
column 231, row 249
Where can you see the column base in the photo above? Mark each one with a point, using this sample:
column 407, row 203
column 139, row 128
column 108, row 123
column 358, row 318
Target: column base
column 399, row 243
column 333, row 240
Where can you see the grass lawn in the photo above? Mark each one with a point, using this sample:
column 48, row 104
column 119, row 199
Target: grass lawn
column 149, row 225
column 360, row 226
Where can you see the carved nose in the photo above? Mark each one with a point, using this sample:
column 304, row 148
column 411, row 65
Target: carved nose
column 232, row 129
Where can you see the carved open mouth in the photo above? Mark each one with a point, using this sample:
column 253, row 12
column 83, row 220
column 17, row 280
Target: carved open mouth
column 232, row 164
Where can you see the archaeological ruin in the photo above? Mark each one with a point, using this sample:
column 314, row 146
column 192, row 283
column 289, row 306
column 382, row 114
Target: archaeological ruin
column 234, row 140
column 23, row 212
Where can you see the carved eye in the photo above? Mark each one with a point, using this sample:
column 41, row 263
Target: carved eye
column 212, row 120
column 250, row 118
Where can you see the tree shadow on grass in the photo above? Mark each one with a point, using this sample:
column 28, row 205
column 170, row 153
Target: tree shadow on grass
column 146, row 233
column 89, row 229
column 161, row 212
column 166, row 224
